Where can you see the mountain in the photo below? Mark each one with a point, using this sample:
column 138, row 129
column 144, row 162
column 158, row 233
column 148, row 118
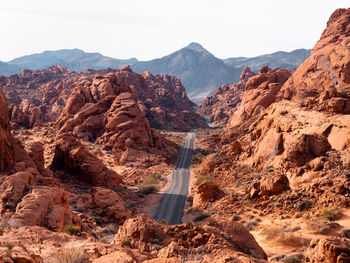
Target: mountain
column 278, row 59
column 8, row 69
column 200, row 71
column 74, row 59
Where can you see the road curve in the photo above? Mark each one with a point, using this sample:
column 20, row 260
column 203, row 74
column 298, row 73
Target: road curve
column 172, row 205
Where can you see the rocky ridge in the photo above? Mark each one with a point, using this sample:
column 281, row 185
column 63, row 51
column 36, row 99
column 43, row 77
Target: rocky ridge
column 284, row 152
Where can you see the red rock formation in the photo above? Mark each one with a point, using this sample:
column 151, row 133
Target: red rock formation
column 260, row 92
column 322, row 81
column 6, row 152
column 107, row 111
column 13, row 189
column 328, row 250
column 141, row 230
column 109, row 205
column 74, row 158
column 39, row 96
column 44, row 206
column 225, row 100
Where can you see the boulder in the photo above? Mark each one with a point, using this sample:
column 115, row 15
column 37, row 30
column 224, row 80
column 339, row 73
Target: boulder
column 273, row 184
column 109, row 205
column 13, row 189
column 209, row 192
column 73, row 157
column 44, row 206
column 328, row 250
column 307, row 147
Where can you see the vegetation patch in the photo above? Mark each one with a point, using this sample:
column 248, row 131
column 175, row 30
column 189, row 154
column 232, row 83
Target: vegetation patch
column 276, row 234
column 126, row 243
column 204, row 178
column 71, row 255
column 72, row 230
column 331, row 214
column 150, row 184
column 198, row 155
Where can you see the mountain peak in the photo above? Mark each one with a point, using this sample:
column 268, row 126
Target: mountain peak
column 197, row 47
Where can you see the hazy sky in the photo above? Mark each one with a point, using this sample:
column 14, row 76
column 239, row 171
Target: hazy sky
column 149, row 29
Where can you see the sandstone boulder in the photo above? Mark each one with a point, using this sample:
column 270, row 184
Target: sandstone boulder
column 328, row 250
column 44, row 206
column 13, row 189
column 73, row 157
column 223, row 104
column 139, row 231
column 307, row 147
column 109, row 205
column 273, row 184
column 209, row 192
column 260, row 92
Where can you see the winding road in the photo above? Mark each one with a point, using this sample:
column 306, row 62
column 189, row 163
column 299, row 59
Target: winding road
column 172, row 205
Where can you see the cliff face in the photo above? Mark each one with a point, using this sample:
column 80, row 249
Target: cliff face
column 322, row 82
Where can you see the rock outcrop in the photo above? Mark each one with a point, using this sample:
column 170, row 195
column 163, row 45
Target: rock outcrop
column 225, row 100
column 74, row 158
column 109, row 205
column 142, row 233
column 107, row 111
column 322, row 81
column 328, row 250
column 6, row 151
column 260, row 92
column 44, row 206
column 37, row 97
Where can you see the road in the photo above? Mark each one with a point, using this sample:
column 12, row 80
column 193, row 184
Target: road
column 172, row 205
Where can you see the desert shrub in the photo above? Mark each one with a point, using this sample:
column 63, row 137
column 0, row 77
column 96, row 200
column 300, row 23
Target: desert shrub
column 204, row 178
column 330, row 214
column 149, row 184
column 147, row 189
column 198, row 155
column 71, row 255
column 72, row 230
column 126, row 243
column 275, row 233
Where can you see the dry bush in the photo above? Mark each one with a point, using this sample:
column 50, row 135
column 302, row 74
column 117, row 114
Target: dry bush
column 276, row 234
column 204, row 178
column 72, row 230
column 149, row 184
column 330, row 214
column 71, row 255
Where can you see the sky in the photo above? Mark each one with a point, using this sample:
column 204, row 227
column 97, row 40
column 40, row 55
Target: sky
column 148, row 29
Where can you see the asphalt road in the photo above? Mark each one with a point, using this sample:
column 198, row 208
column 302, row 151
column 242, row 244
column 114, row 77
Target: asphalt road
column 172, row 205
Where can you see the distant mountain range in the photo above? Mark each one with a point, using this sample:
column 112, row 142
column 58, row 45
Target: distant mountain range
column 200, row 71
